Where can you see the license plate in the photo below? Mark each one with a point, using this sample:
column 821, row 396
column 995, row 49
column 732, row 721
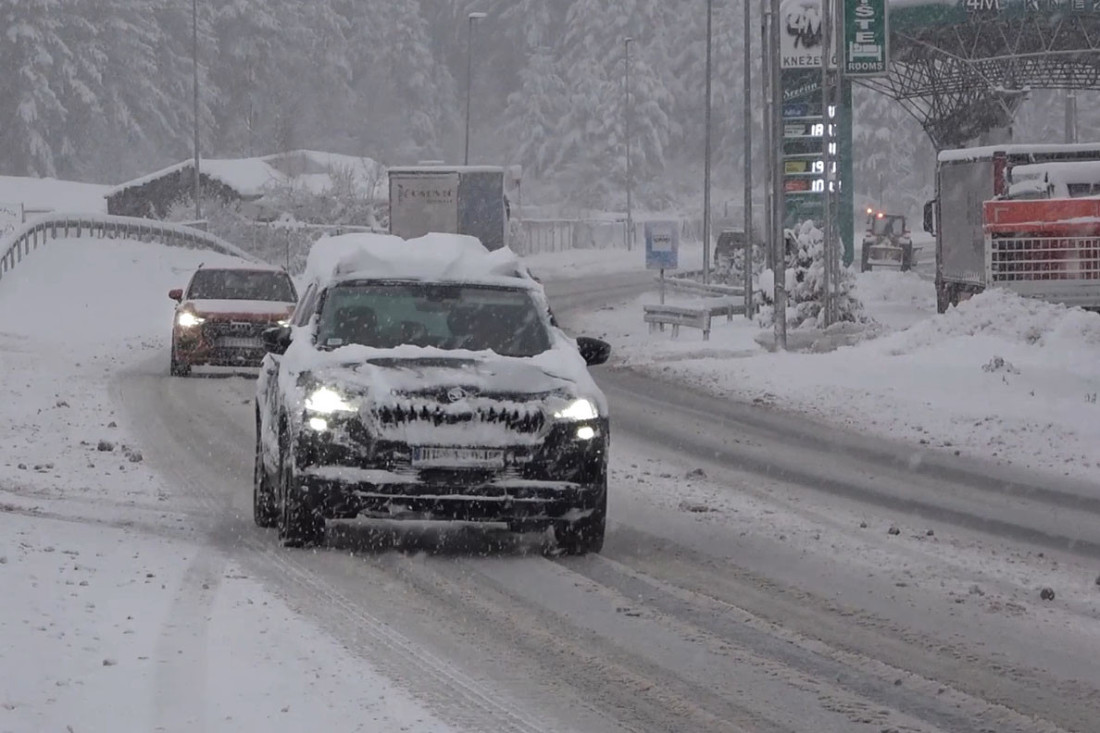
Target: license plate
column 433, row 457
column 240, row 343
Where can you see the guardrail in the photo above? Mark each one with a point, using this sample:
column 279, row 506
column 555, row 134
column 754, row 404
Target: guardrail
column 697, row 314
column 27, row 238
column 686, row 282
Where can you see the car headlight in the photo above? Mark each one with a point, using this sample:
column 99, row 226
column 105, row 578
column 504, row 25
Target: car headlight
column 578, row 410
column 327, row 401
column 284, row 323
column 187, row 319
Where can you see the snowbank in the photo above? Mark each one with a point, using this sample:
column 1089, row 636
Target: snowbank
column 50, row 194
column 999, row 377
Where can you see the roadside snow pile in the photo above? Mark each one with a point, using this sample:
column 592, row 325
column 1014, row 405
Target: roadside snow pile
column 806, row 286
column 894, row 288
column 1003, row 315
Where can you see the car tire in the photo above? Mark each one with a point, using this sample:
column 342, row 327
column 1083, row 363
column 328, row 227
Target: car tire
column 265, row 505
column 300, row 525
column 585, row 535
column 178, row 368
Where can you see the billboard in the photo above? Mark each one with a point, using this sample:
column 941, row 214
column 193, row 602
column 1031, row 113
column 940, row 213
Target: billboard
column 662, row 245
column 423, row 202
column 866, row 38
column 800, row 36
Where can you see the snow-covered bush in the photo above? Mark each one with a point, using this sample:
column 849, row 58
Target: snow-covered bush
column 805, row 280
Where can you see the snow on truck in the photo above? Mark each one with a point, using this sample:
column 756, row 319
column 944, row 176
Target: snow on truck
column 1021, row 217
column 451, row 200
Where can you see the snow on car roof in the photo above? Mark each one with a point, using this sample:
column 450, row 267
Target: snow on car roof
column 433, row 257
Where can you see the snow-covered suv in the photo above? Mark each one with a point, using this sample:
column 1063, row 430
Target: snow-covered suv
column 425, row 379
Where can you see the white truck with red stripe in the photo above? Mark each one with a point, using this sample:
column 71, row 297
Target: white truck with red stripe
column 1021, row 217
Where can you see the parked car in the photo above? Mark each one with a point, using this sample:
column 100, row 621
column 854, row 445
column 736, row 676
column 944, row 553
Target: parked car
column 424, row 379
column 222, row 313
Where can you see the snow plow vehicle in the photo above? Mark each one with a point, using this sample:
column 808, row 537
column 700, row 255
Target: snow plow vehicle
column 222, row 313
column 887, row 243
column 1019, row 217
column 424, row 379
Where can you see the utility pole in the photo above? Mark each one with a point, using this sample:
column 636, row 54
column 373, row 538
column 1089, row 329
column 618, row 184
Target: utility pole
column 775, row 169
column 629, row 163
column 1071, row 116
column 826, row 156
column 706, row 161
column 469, row 76
column 746, row 107
column 196, row 192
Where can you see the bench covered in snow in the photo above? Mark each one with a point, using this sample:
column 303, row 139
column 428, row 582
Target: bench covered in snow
column 693, row 314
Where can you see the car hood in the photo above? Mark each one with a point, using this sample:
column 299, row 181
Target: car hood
column 407, row 371
column 501, row 377
column 240, row 309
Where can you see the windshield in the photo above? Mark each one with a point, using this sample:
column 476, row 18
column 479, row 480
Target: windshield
column 242, row 285
column 476, row 318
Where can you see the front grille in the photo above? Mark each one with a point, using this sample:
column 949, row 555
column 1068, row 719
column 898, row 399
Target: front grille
column 519, row 418
column 237, row 329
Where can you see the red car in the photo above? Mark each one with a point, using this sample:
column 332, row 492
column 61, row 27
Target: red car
column 223, row 312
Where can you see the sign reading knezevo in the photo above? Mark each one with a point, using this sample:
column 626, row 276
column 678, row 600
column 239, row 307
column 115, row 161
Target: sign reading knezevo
column 866, row 38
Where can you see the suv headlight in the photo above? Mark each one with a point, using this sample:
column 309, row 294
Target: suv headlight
column 187, row 319
column 327, row 401
column 578, row 411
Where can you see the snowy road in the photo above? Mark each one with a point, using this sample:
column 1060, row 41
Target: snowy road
column 749, row 581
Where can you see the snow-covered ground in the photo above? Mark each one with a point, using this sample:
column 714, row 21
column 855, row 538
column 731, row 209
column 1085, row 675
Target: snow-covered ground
column 103, row 570
column 999, row 377
column 51, row 194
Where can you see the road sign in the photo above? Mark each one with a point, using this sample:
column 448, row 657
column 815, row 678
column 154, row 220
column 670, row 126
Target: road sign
column 866, row 38
column 662, row 245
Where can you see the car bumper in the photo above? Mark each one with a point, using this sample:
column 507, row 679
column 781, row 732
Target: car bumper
column 349, row 493
column 541, row 483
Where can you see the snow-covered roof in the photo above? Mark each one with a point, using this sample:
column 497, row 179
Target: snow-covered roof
column 987, row 152
column 446, row 169
column 433, row 257
column 251, row 177
column 247, row 176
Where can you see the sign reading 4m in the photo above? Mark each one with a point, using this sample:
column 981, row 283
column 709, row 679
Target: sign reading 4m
column 866, row 38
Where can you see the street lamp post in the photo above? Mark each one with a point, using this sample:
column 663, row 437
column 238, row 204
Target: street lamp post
column 706, row 154
column 629, row 164
column 469, row 76
column 195, row 100
column 747, row 124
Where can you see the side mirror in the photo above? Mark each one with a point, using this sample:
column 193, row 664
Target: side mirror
column 930, row 217
column 594, row 351
column 176, row 294
column 276, row 340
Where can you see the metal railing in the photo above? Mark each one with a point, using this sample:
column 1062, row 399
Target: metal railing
column 1042, row 259
column 27, row 238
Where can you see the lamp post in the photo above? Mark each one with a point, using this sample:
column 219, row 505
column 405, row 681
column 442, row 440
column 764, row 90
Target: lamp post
column 706, row 154
column 629, row 164
column 747, row 124
column 195, row 100
column 469, row 76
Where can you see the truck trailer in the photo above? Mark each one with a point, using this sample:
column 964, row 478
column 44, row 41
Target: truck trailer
column 1017, row 217
column 449, row 199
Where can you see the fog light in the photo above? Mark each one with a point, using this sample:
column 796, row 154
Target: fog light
column 586, row 433
column 319, row 424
